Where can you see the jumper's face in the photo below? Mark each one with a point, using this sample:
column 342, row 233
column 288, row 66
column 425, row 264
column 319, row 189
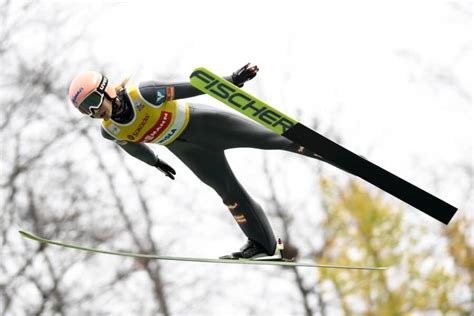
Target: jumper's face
column 104, row 111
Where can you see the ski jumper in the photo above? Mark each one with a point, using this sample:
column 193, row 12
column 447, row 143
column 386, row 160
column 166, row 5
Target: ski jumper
column 198, row 135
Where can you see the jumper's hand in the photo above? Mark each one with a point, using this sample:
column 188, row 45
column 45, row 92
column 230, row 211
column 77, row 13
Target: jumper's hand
column 244, row 74
column 165, row 168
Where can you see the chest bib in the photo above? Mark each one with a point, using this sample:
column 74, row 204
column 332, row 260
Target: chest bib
column 160, row 124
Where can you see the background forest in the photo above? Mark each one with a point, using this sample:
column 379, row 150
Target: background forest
column 389, row 80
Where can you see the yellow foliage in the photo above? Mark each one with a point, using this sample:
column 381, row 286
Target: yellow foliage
column 361, row 228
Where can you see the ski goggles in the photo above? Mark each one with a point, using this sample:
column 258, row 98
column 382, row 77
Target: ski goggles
column 94, row 99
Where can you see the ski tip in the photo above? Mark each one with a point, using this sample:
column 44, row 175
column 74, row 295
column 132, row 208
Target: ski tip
column 24, row 233
column 27, row 234
column 200, row 71
column 197, row 69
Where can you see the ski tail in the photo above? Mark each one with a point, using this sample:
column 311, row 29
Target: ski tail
column 363, row 168
column 280, row 123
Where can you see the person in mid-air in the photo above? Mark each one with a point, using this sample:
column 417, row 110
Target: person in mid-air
column 154, row 112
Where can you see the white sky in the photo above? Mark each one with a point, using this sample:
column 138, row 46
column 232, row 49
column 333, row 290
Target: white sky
column 365, row 67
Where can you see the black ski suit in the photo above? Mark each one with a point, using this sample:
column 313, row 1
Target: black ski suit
column 201, row 147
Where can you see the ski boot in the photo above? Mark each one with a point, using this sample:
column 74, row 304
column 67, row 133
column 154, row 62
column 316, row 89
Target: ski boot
column 254, row 251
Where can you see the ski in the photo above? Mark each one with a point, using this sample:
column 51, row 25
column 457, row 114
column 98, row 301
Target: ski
column 245, row 103
column 29, row 235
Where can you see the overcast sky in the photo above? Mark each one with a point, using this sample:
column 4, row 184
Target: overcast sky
column 392, row 78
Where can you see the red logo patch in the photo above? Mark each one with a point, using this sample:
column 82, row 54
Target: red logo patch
column 158, row 128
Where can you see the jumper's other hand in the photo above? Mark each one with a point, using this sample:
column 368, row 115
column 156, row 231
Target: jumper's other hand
column 244, row 74
column 165, row 168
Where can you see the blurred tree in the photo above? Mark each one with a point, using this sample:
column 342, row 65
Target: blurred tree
column 48, row 188
column 460, row 235
column 70, row 193
column 363, row 229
